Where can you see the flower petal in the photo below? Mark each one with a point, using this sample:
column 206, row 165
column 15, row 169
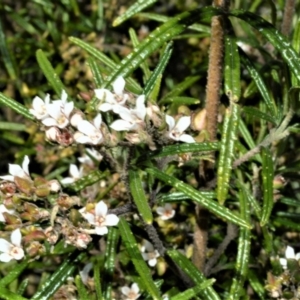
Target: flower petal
column 25, row 164
column 15, row 170
column 289, row 253
column 119, row 85
column 16, row 237
column 17, row 253
column 101, row 209
column 101, row 230
column 67, row 180
column 49, row 122
column 121, row 125
column 5, row 257
column 125, row 290
column 170, row 121
column 111, row 220
column 8, row 177
column 105, row 107
column 74, row 171
column 152, row 262
column 186, row 138
column 5, row 246
column 135, row 288
column 86, row 127
column 106, row 95
column 97, row 121
column 183, row 123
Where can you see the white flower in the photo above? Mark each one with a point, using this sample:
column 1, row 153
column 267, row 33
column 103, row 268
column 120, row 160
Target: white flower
column 17, row 171
column 39, row 107
column 11, row 250
column 131, row 293
column 75, row 174
column 131, row 119
column 112, row 101
column 289, row 254
column 84, row 274
column 88, row 159
column 89, row 133
column 52, row 134
column 4, row 209
column 59, row 112
column 149, row 253
column 100, row 219
column 166, row 212
column 176, row 130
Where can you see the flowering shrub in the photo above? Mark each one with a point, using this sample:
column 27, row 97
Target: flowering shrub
column 127, row 186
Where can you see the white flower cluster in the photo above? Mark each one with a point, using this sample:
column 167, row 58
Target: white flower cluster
column 65, row 124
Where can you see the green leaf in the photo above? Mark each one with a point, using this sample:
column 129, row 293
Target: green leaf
column 159, row 69
column 279, row 41
column 229, row 136
column 164, row 19
column 189, row 269
column 81, row 289
column 135, row 43
column 14, row 274
column 12, row 126
column 49, row 72
column 8, row 295
column 243, row 254
column 87, row 180
column 258, row 79
column 6, row 56
column 232, row 81
column 137, row 259
column 179, row 89
column 98, row 79
column 132, row 10
column 97, row 280
column 178, row 196
column 296, row 46
column 195, row 195
column 192, row 292
column 186, row 148
column 157, row 38
column 139, row 197
column 255, row 282
column 254, row 112
column 110, row 262
column 133, row 86
column 16, row 106
column 58, row 278
column 267, row 178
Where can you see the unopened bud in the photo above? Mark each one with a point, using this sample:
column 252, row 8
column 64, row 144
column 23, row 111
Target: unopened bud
column 54, row 185
column 199, row 120
column 279, row 182
column 52, row 134
column 24, row 185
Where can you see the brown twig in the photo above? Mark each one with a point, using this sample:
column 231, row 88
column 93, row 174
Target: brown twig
column 287, row 18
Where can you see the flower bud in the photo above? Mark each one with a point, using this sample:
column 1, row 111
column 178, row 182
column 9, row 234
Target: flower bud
column 35, row 249
column 24, row 185
column 278, row 182
column 42, row 188
column 199, row 120
column 52, row 134
column 54, row 186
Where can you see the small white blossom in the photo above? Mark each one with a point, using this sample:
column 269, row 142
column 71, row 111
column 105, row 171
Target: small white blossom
column 100, row 219
column 176, row 130
column 131, row 119
column 59, row 112
column 89, row 133
column 149, row 253
column 88, row 159
column 18, row 171
column 113, row 101
column 11, row 250
column 75, row 174
column 39, row 107
column 289, row 254
column 84, row 274
column 4, row 209
column 131, row 293
column 166, row 212
column 54, row 185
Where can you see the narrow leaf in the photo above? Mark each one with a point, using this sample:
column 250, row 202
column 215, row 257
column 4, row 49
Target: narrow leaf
column 16, row 106
column 132, row 10
column 139, row 197
column 189, row 269
column 14, row 274
column 49, row 72
column 110, row 262
column 279, row 41
column 229, row 136
column 186, row 148
column 8, row 295
column 195, row 195
column 232, row 82
column 137, row 259
column 159, row 69
column 258, row 79
column 98, row 79
column 257, row 113
column 267, row 178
